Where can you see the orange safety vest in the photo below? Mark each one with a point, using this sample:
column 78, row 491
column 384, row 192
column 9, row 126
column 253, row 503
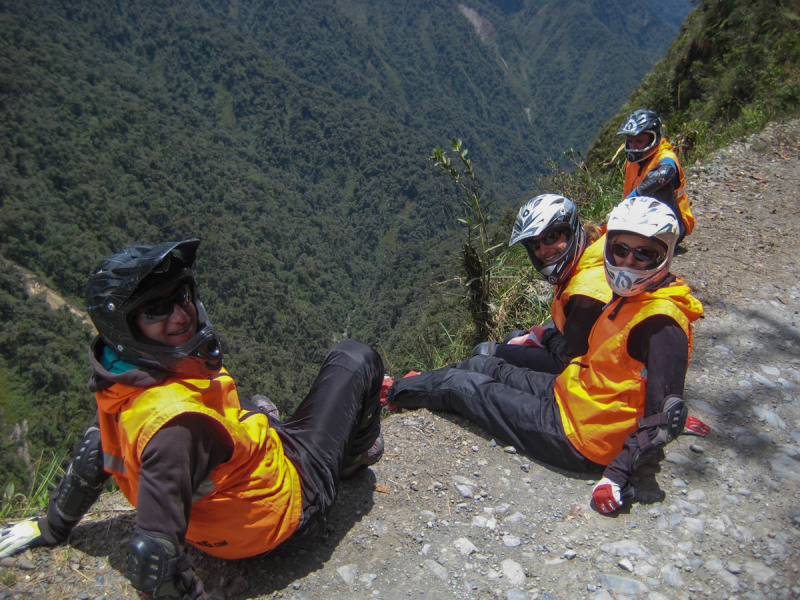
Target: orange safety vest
column 636, row 172
column 602, row 394
column 249, row 504
column 588, row 279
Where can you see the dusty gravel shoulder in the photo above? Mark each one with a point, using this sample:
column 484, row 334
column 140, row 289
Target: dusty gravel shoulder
column 451, row 513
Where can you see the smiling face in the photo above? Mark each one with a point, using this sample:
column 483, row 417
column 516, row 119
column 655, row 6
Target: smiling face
column 550, row 246
column 170, row 319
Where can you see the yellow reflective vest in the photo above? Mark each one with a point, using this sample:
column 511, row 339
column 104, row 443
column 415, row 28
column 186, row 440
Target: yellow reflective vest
column 249, row 504
column 602, row 394
column 587, row 279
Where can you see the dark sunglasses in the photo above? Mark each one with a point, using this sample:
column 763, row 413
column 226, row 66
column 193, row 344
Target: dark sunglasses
column 160, row 309
column 551, row 237
column 641, row 254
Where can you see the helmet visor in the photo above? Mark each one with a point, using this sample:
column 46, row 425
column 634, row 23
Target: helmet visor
column 649, row 257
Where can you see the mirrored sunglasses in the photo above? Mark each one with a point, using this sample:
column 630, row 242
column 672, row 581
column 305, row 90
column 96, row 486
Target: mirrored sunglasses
column 160, row 309
column 640, row 254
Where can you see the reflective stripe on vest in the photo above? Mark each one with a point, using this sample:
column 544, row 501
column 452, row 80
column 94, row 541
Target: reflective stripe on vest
column 115, row 464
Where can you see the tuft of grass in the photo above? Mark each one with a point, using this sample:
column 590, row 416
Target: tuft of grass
column 594, row 192
column 46, row 473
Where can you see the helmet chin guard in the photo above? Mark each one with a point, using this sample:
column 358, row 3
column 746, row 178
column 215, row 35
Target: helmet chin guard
column 125, row 282
column 650, row 218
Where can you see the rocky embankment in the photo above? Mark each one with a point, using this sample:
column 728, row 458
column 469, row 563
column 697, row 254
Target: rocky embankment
column 451, row 513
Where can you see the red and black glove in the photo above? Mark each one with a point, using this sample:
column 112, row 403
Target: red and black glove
column 608, row 496
column 532, row 338
column 695, row 426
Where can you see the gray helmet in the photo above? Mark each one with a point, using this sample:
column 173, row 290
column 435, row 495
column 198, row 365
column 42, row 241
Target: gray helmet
column 126, row 281
column 545, row 212
column 642, row 121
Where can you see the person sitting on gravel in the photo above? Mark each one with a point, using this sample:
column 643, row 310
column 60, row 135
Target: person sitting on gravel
column 199, row 465
column 615, row 406
column 561, row 250
column 653, row 168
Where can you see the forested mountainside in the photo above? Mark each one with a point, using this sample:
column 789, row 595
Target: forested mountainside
column 733, row 66
column 292, row 139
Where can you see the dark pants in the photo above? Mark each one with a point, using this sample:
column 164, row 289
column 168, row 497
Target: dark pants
column 338, row 420
column 514, row 404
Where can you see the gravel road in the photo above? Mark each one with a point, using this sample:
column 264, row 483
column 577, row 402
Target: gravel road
column 451, row 513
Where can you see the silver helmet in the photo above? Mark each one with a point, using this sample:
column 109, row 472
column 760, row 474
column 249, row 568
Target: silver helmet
column 541, row 214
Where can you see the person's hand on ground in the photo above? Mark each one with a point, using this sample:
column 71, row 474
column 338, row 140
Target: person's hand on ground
column 607, row 496
column 20, row 536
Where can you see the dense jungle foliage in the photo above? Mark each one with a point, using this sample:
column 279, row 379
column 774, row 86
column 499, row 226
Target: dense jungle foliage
column 292, row 139
column 733, row 66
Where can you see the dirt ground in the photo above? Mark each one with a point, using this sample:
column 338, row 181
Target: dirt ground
column 451, row 513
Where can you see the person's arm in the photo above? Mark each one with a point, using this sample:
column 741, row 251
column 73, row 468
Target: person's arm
column 660, row 343
column 558, row 348
column 664, row 174
column 529, row 357
column 581, row 313
column 78, row 489
column 174, row 463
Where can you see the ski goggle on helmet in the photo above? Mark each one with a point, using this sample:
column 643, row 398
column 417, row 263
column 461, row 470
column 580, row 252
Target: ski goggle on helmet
column 641, row 121
column 649, row 218
column 546, row 217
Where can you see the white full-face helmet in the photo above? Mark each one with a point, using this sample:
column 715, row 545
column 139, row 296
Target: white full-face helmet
column 649, row 218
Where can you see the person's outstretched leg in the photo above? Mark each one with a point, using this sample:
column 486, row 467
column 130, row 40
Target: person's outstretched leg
column 515, row 404
column 338, row 422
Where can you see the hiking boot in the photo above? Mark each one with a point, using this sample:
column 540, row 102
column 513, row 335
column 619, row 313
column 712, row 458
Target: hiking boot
column 267, row 406
column 365, row 459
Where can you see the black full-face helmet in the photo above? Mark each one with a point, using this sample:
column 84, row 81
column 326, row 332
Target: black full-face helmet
column 642, row 121
column 129, row 280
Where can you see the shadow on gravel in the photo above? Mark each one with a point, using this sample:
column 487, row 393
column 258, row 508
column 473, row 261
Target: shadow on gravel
column 745, row 404
column 251, row 577
column 647, row 489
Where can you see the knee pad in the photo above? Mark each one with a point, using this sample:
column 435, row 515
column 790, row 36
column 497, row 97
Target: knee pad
column 154, row 566
column 83, row 482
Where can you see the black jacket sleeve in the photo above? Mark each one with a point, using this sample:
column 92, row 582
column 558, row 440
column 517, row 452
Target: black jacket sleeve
column 660, row 343
column 174, row 463
column 581, row 312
